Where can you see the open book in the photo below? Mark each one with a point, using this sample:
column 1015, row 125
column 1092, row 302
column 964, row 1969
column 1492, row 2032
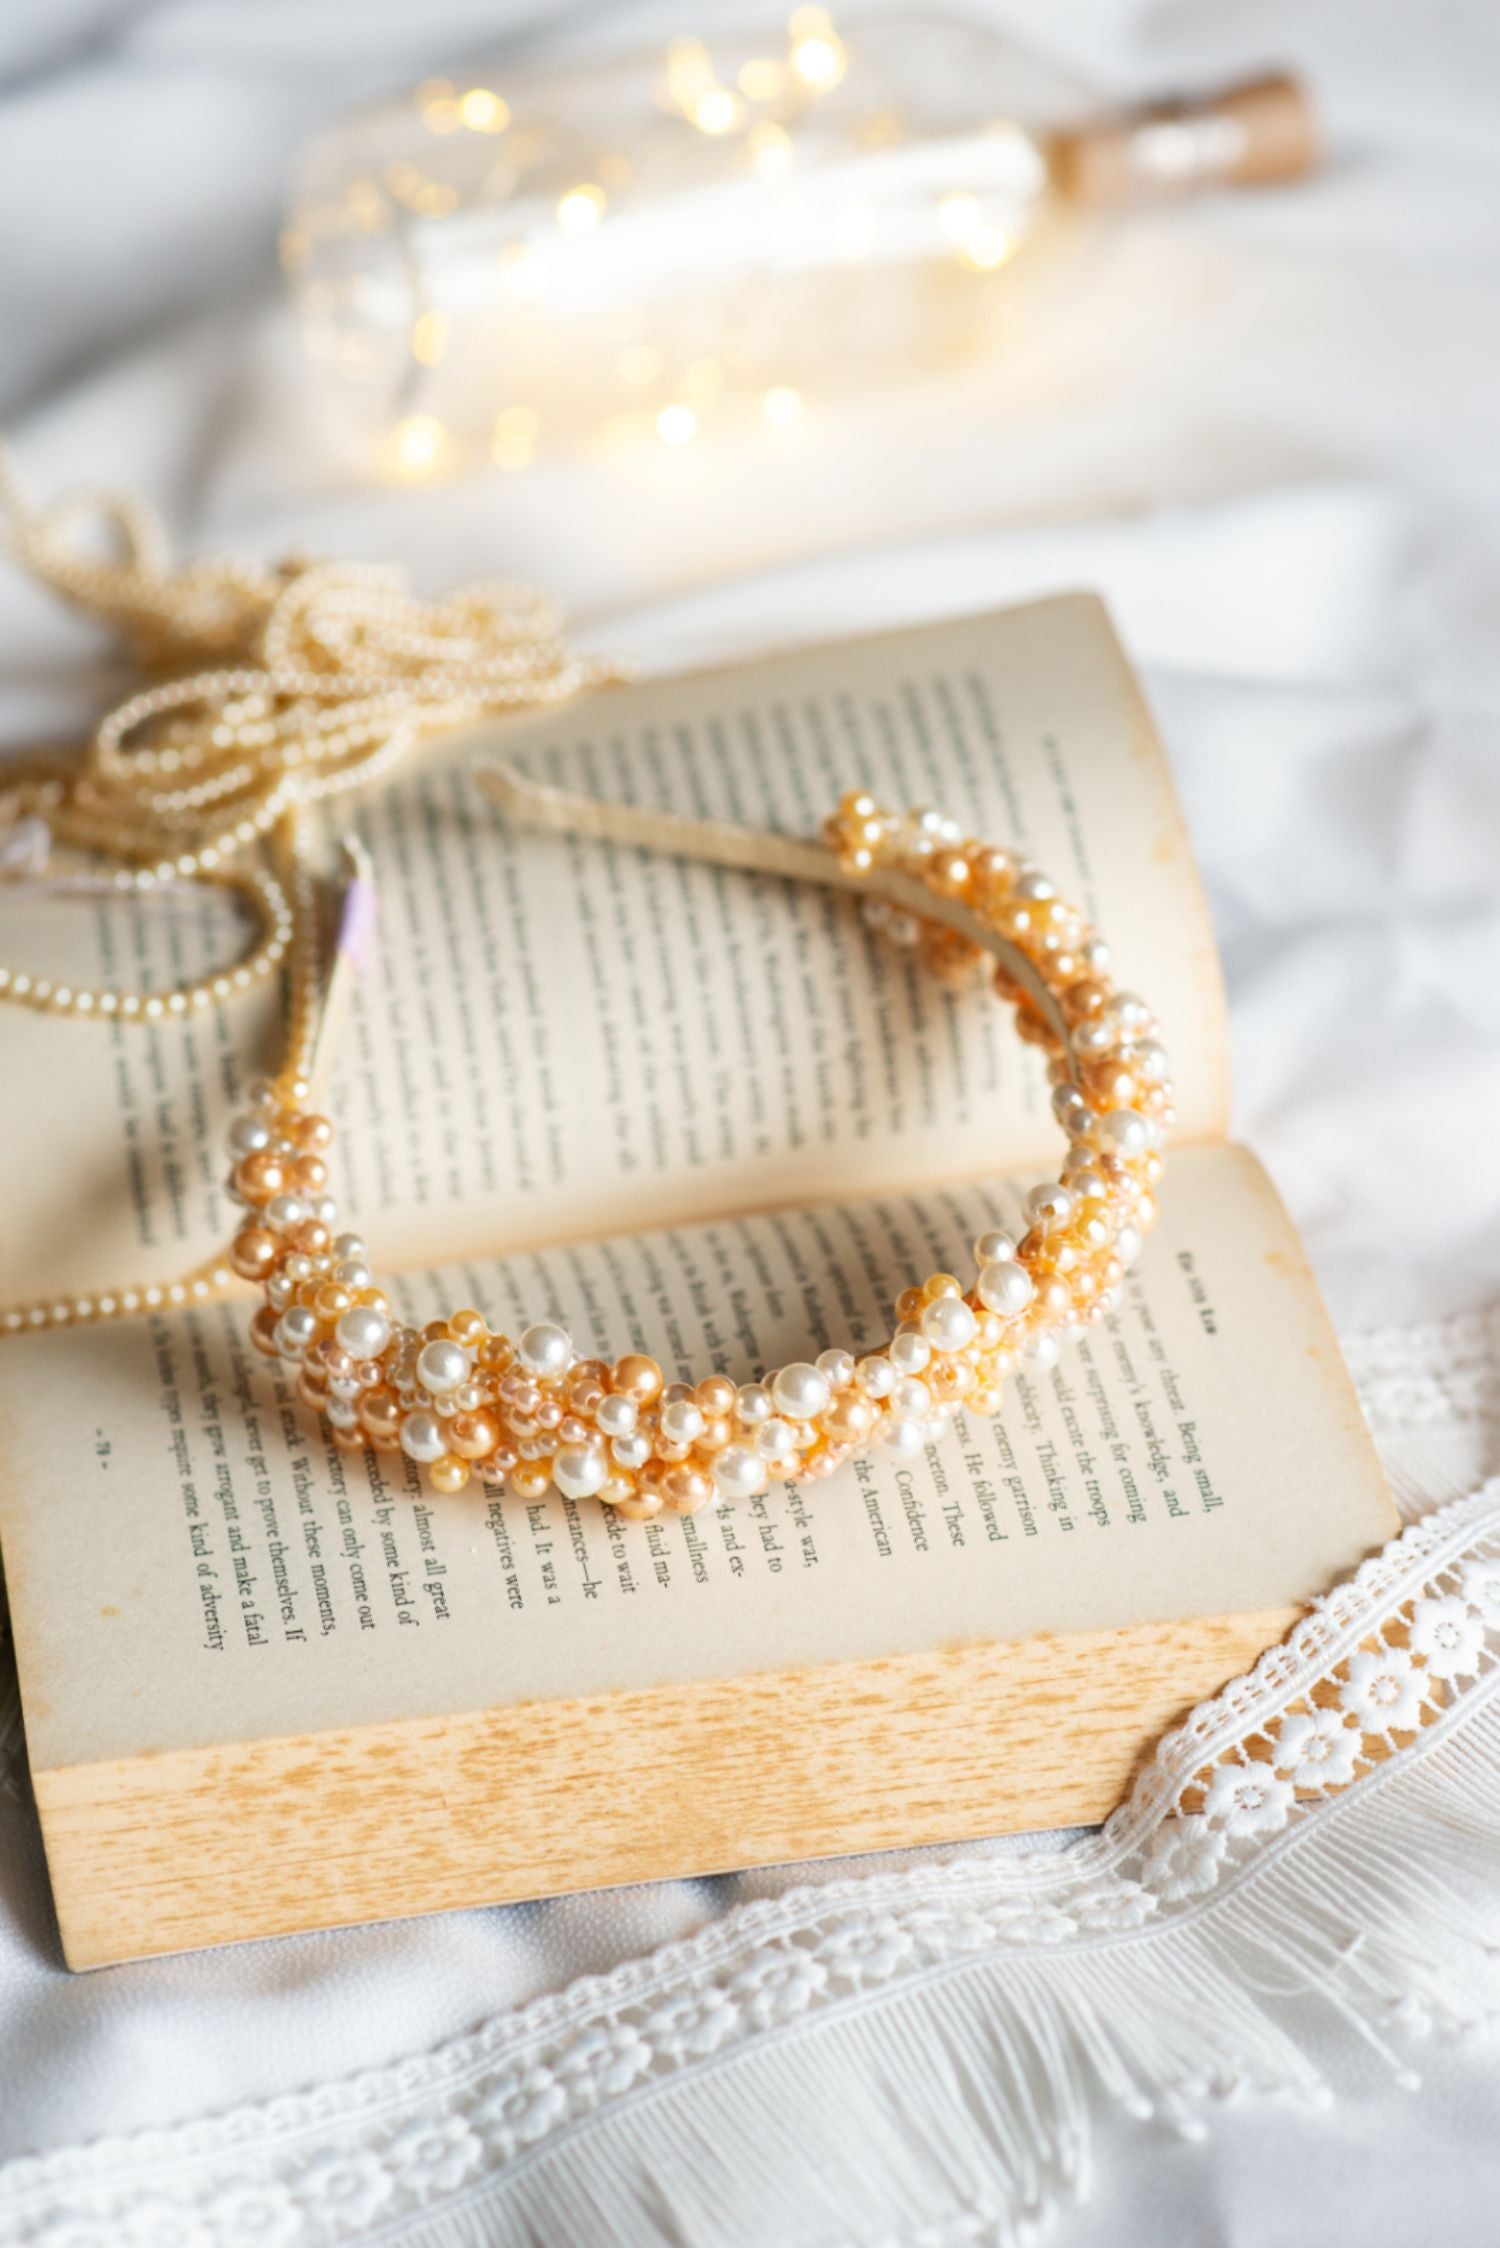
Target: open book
column 271, row 1685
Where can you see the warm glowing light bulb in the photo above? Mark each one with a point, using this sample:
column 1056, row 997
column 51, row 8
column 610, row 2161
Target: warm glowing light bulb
column 717, row 111
column 677, row 425
column 513, row 440
column 819, row 62
column 782, row 406
column 419, row 443
column 690, row 71
column 483, row 111
column 581, row 208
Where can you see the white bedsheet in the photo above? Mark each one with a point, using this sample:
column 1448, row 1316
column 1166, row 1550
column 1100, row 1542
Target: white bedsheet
column 1273, row 444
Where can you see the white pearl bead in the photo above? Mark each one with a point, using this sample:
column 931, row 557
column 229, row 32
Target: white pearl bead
column 1149, row 1061
column 248, row 1135
column 948, row 1323
column 261, row 1093
column 1087, row 1185
column 1044, row 1352
column 838, row 1365
column 876, row 1376
column 775, row 1439
column 579, row 1470
column 283, row 1211
column 279, row 1291
column 617, row 1415
column 352, row 1274
column 545, row 1349
column 1122, row 1132
column 1049, row 1206
column 631, row 1451
column 994, row 1248
column 680, row 1422
column 340, row 1413
column 295, row 1330
column 904, row 1436
column 442, row 1366
column 753, row 1404
column 911, row 1398
column 801, row 1392
column 1069, row 1105
column 363, row 1331
column 739, row 1472
column 909, row 1352
column 325, row 1210
column 350, row 1247
column 422, row 1437
column 1006, row 1289
column 1129, row 1242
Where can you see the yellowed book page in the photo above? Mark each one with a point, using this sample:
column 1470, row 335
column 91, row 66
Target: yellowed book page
column 191, row 1562
column 560, row 1038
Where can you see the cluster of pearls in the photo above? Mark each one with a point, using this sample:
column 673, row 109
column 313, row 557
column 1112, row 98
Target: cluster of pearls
column 527, row 1414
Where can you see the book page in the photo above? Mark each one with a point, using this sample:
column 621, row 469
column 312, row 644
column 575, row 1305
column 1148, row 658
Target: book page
column 191, row 1561
column 560, row 1038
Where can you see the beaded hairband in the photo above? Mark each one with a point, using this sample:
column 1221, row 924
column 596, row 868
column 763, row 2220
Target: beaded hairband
column 529, row 1413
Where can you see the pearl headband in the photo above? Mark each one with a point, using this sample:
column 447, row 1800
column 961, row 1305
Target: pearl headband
column 530, row 1413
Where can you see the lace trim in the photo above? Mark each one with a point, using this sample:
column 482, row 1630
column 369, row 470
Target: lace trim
column 1376, row 1673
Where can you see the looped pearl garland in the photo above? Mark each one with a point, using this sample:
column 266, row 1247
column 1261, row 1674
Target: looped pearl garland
column 528, row 1414
column 319, row 677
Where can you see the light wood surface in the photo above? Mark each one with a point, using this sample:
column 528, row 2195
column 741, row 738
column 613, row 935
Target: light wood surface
column 209, row 1846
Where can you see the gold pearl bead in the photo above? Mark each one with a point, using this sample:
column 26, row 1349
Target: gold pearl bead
column 448, row 1475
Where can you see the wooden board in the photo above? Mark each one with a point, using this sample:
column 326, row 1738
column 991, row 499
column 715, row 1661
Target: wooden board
column 274, row 1837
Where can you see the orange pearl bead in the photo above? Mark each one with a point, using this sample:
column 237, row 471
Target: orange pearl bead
column 313, row 1134
column 254, row 1252
column 849, row 1417
column 310, row 1239
column 468, row 1327
column 258, row 1177
column 638, row 1376
column 716, row 1395
column 686, row 1490
column 448, row 1475
column 471, row 1435
column 530, row 1480
column 263, row 1331
column 380, row 1411
column 310, row 1174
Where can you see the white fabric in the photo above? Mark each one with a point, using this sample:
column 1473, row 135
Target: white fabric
column 1270, row 438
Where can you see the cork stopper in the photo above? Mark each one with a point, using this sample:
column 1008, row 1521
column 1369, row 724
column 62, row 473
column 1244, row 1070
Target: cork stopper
column 1247, row 135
